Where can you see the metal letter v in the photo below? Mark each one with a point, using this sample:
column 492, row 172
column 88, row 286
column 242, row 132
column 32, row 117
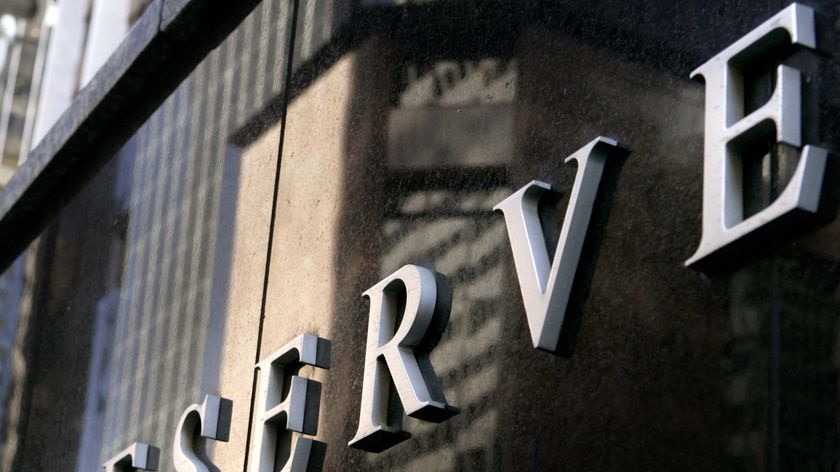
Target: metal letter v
column 546, row 285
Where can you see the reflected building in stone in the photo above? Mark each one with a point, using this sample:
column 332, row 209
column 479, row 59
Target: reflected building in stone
column 238, row 174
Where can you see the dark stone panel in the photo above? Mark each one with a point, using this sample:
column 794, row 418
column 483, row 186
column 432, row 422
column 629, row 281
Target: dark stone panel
column 64, row 316
column 126, row 309
column 147, row 66
column 671, row 369
column 39, row 185
column 455, row 105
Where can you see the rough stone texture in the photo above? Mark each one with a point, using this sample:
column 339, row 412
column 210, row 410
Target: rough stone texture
column 67, row 146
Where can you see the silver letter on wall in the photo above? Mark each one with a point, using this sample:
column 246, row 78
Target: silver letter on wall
column 209, row 420
column 403, row 348
column 297, row 412
column 545, row 284
column 138, row 456
column 729, row 133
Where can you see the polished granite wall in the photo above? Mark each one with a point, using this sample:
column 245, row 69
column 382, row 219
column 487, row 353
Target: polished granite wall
column 323, row 145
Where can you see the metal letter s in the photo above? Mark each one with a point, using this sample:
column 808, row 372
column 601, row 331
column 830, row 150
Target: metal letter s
column 546, row 285
column 298, row 412
column 728, row 131
column 402, row 349
column 211, row 420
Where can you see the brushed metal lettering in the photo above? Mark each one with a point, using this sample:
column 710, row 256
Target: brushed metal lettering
column 297, row 412
column 138, row 456
column 398, row 353
column 727, row 131
column 211, row 420
column 546, row 285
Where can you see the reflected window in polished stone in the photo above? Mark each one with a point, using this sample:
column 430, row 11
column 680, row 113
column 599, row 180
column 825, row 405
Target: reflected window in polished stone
column 323, row 145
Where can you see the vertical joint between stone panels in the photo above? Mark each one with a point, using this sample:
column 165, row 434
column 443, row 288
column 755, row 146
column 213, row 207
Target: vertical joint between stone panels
column 275, row 192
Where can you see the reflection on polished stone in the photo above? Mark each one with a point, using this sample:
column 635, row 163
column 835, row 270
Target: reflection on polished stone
column 248, row 210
